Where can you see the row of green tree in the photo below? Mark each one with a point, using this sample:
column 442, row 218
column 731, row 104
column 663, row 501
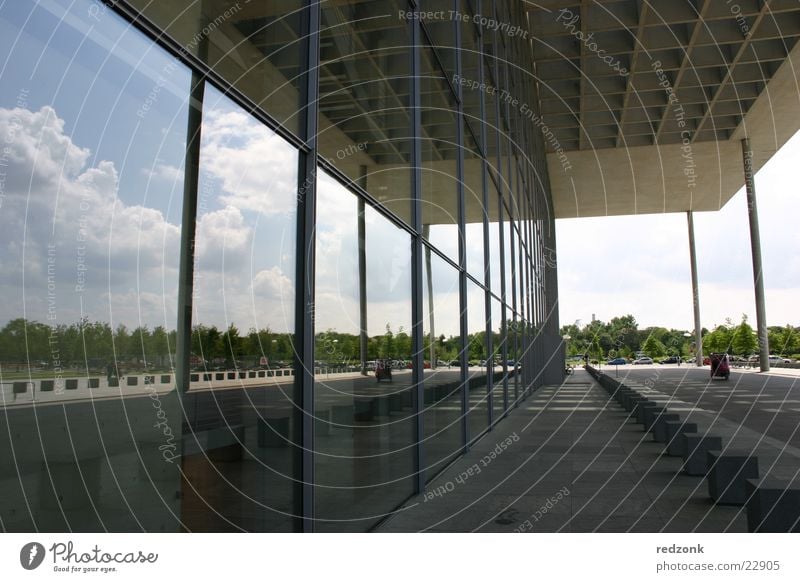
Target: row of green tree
column 621, row 337
column 32, row 344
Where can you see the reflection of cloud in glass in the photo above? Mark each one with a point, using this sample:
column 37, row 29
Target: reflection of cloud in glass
column 246, row 221
column 64, row 224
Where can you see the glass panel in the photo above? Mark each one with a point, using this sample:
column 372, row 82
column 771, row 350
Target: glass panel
column 470, row 68
column 497, row 362
column 92, row 189
column 241, row 382
column 442, row 31
column 508, row 257
column 478, row 412
column 442, row 419
column 439, row 152
column 365, row 424
column 494, row 239
column 254, row 46
column 365, row 120
column 490, row 125
column 473, row 204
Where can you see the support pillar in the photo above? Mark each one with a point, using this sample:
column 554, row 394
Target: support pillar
column 698, row 330
column 362, row 276
column 755, row 246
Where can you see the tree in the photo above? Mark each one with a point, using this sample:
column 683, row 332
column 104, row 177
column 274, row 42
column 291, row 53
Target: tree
column 743, row 340
column 653, row 347
column 718, row 340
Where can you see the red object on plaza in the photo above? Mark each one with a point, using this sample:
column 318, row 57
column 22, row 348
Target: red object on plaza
column 383, row 370
column 720, row 366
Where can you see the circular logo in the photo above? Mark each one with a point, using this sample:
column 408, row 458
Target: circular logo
column 31, row 555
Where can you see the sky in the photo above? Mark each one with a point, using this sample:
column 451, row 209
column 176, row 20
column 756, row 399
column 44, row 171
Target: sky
column 639, row 265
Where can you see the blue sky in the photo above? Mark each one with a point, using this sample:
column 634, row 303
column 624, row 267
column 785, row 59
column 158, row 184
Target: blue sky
column 611, row 266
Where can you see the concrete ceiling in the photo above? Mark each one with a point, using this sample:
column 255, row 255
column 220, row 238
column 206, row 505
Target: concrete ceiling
column 644, row 102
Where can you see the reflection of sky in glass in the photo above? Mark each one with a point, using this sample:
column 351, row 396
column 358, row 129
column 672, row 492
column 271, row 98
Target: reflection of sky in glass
column 388, row 256
column 95, row 146
column 245, row 221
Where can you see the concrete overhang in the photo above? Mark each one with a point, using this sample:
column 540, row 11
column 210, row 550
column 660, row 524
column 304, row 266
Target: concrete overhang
column 615, row 144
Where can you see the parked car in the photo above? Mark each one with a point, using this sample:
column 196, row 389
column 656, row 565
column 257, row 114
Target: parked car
column 773, row 359
column 643, row 360
column 617, row 362
column 671, row 360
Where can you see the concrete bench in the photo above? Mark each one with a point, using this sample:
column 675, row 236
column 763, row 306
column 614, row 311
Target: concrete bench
column 650, row 415
column 659, row 428
column 365, row 409
column 632, row 402
column 676, row 444
column 219, row 444
column 727, row 473
column 322, row 421
column 641, row 410
column 274, row 432
column 695, row 461
column 342, row 414
column 637, row 404
column 773, row 505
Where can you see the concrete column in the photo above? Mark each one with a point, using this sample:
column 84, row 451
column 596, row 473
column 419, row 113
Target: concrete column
column 698, row 330
column 755, row 246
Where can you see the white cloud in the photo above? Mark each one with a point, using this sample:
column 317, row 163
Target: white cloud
column 255, row 166
column 101, row 247
column 640, row 264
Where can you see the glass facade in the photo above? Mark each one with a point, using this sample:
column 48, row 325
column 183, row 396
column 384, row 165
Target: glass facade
column 267, row 266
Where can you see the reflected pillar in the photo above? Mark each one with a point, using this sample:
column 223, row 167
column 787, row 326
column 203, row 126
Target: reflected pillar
column 698, row 331
column 755, row 247
column 426, row 231
column 362, row 274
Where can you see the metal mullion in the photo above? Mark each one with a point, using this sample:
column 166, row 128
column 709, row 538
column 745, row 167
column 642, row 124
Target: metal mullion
column 191, row 172
column 417, row 310
column 462, row 247
column 487, row 303
column 502, row 187
column 303, row 432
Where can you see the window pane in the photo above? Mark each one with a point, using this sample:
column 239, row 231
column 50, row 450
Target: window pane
column 470, row 67
column 473, row 204
column 478, row 415
column 439, row 153
column 242, row 343
column 365, row 121
column 90, row 421
column 497, row 363
column 365, row 423
column 494, row 238
column 443, row 418
column 255, row 46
